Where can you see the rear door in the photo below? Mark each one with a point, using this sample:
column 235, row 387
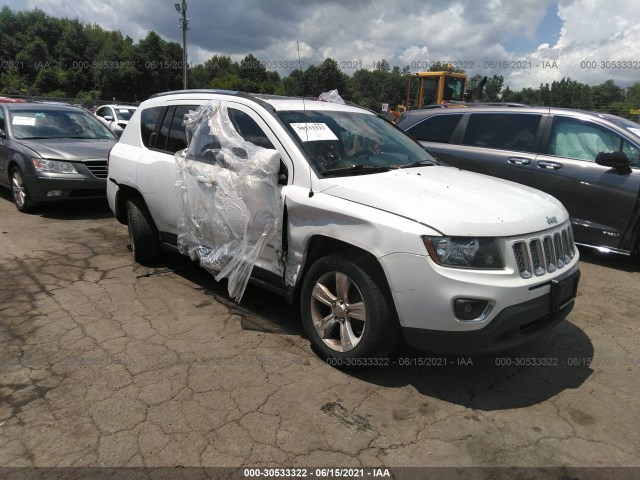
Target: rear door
column 602, row 201
column 500, row 144
column 163, row 134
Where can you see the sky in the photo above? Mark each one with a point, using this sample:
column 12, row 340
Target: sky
column 529, row 42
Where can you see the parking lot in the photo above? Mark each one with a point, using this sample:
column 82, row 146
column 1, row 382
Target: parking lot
column 104, row 362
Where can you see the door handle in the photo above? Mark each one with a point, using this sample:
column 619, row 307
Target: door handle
column 549, row 165
column 519, row 161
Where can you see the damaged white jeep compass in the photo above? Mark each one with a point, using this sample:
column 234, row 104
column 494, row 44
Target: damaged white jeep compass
column 333, row 207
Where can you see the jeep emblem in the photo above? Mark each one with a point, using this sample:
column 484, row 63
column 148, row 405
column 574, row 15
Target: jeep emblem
column 552, row 220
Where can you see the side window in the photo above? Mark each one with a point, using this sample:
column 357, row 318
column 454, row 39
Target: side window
column 438, row 128
column 2, row 121
column 580, row 140
column 177, row 137
column 163, row 133
column 507, row 131
column 249, row 129
column 148, row 121
column 101, row 112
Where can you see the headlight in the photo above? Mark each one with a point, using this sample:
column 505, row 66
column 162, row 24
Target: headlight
column 53, row 166
column 464, row 252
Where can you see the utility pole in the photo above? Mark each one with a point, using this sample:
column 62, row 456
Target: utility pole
column 184, row 25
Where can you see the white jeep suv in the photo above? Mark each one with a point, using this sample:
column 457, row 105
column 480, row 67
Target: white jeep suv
column 335, row 208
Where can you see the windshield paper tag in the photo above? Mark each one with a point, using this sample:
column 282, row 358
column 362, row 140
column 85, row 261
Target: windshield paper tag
column 312, row 132
column 30, row 121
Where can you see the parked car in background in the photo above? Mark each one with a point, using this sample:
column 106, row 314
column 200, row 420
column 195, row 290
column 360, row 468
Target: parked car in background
column 589, row 161
column 116, row 117
column 337, row 210
column 52, row 152
column 12, row 100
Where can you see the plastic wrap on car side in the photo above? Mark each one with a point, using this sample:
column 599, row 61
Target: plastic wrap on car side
column 229, row 204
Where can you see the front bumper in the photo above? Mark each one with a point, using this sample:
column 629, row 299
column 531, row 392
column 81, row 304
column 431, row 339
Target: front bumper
column 511, row 327
column 76, row 187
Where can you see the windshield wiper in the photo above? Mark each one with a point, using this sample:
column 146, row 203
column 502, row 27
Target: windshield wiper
column 356, row 170
column 421, row 163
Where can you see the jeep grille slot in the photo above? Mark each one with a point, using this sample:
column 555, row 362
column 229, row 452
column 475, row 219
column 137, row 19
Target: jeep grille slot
column 522, row 259
column 97, row 167
column 547, row 253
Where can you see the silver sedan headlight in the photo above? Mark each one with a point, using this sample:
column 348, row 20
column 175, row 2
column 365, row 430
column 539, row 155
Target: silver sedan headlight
column 53, row 166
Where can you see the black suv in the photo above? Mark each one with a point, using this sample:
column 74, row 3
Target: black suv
column 589, row 161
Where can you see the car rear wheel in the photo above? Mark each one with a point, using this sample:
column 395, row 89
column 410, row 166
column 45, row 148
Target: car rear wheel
column 345, row 313
column 143, row 234
column 20, row 193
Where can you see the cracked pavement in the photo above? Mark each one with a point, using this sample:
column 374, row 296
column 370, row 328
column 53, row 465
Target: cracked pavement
column 104, row 362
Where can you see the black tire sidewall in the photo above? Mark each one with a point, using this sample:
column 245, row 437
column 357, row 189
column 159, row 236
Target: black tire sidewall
column 378, row 338
column 145, row 242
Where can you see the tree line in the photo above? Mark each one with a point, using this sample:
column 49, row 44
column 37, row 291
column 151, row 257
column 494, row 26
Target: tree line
column 53, row 57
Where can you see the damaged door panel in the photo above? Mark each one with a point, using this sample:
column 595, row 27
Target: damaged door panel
column 229, row 199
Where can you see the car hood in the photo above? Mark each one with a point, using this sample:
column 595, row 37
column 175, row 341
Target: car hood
column 452, row 201
column 70, row 149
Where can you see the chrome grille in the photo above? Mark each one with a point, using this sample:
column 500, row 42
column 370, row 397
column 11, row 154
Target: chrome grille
column 547, row 253
column 97, row 167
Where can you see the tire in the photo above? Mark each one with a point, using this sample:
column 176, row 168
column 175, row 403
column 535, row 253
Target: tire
column 143, row 234
column 345, row 313
column 20, row 194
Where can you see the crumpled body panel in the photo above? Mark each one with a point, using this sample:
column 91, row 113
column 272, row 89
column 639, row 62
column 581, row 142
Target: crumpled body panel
column 229, row 203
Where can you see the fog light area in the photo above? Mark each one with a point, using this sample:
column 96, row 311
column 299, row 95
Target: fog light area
column 468, row 309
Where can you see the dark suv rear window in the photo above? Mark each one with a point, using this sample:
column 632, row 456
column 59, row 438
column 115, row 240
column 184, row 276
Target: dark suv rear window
column 438, row 128
column 507, row 131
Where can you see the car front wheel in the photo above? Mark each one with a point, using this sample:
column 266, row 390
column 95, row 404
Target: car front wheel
column 345, row 313
column 20, row 193
column 143, row 235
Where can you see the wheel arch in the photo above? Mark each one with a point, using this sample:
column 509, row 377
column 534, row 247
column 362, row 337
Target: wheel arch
column 124, row 193
column 321, row 246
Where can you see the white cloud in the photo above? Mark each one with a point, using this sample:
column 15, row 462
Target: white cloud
column 402, row 32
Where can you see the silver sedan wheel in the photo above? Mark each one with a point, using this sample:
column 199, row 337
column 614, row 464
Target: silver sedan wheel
column 19, row 190
column 338, row 311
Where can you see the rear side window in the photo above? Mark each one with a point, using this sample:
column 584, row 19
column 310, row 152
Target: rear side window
column 148, row 120
column 438, row 128
column 501, row 130
column 161, row 127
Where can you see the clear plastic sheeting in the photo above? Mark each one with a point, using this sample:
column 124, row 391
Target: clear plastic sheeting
column 228, row 198
column 331, row 96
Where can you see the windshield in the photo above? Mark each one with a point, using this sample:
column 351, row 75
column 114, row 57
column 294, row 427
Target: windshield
column 339, row 141
column 33, row 124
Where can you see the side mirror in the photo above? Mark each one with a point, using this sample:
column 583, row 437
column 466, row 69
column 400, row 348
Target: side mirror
column 108, row 118
column 617, row 160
